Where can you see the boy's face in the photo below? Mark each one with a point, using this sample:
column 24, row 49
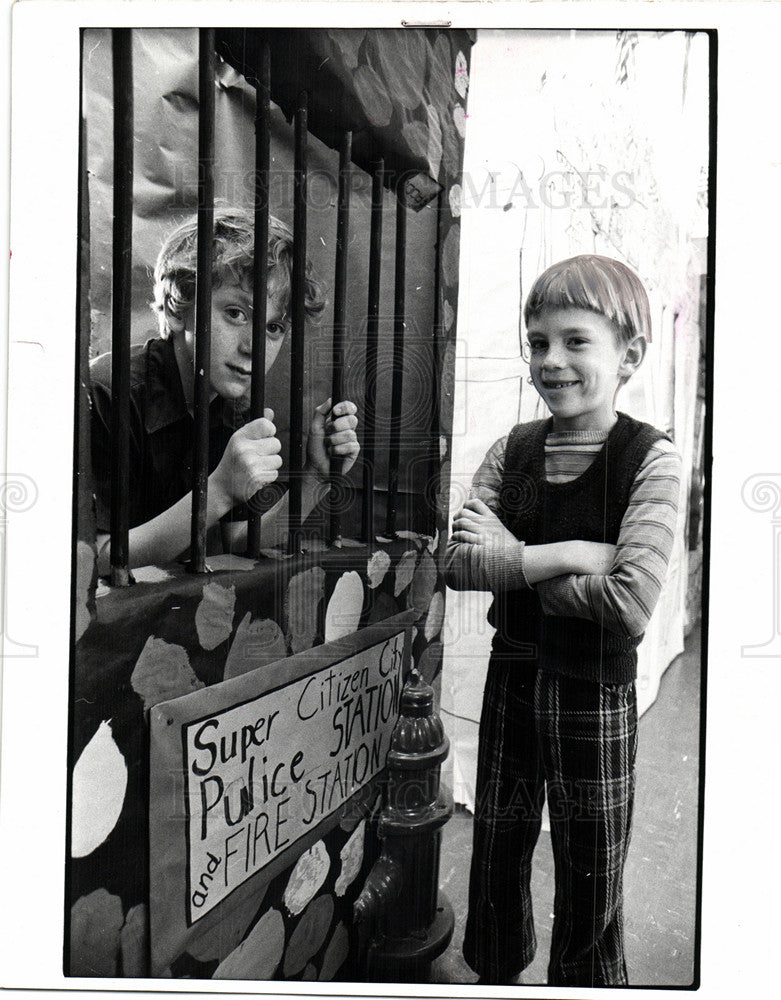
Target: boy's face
column 577, row 363
column 231, row 340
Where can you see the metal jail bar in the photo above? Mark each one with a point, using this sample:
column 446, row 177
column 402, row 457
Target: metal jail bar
column 298, row 324
column 433, row 478
column 120, row 305
column 260, row 277
column 372, row 333
column 203, row 296
column 202, row 391
column 340, row 312
column 397, row 384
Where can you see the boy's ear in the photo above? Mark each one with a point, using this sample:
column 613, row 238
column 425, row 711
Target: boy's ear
column 634, row 352
column 174, row 321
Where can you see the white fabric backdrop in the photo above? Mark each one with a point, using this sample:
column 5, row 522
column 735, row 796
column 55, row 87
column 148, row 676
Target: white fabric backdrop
column 576, row 142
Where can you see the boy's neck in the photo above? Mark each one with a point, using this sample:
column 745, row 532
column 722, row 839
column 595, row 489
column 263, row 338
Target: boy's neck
column 601, row 426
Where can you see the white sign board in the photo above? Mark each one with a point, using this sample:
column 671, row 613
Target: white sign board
column 260, row 774
column 247, row 774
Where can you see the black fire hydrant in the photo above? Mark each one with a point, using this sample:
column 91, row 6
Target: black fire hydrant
column 404, row 920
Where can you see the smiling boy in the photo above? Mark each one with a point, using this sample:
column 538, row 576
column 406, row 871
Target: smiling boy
column 243, row 457
column 570, row 525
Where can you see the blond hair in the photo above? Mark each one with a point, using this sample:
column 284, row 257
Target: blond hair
column 233, row 260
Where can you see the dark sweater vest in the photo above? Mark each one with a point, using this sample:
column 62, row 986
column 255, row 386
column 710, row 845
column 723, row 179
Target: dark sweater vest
column 591, row 508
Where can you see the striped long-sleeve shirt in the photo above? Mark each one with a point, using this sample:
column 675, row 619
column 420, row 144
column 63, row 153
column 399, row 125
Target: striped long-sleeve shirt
column 623, row 599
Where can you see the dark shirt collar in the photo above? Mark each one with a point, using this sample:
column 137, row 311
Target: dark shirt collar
column 166, row 403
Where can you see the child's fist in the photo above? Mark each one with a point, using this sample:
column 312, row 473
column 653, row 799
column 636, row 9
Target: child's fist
column 476, row 524
column 251, row 460
column 332, row 432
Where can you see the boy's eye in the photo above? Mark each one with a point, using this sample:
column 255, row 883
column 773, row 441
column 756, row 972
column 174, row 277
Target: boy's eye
column 536, row 345
column 578, row 342
column 236, row 314
column 275, row 330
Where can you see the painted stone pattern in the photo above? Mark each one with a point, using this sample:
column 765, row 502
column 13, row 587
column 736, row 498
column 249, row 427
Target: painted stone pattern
column 116, row 685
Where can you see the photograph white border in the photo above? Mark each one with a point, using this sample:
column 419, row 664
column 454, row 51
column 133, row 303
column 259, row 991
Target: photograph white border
column 740, row 927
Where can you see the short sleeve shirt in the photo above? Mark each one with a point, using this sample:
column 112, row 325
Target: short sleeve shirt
column 161, row 432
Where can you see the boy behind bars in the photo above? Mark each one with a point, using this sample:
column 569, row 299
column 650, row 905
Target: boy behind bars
column 243, row 456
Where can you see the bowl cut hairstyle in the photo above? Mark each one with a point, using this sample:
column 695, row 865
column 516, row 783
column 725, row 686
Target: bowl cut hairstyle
column 599, row 284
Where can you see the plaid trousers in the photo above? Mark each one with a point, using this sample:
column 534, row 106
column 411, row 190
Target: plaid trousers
column 577, row 740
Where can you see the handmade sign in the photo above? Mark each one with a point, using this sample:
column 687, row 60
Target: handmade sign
column 261, row 773
column 255, row 766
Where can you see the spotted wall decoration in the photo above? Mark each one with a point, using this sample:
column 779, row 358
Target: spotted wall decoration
column 309, row 873
column 351, row 857
column 345, row 606
column 259, row 954
column 99, row 785
column 214, row 617
column 163, row 671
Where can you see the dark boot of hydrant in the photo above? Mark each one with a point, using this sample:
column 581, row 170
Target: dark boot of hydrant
column 406, row 922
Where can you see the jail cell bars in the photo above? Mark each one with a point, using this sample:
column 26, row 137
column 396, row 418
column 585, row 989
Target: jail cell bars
column 120, row 304
column 398, row 363
column 340, row 314
column 203, row 296
column 122, row 255
column 372, row 333
column 260, row 278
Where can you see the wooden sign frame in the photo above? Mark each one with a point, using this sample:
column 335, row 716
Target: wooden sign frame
column 174, row 919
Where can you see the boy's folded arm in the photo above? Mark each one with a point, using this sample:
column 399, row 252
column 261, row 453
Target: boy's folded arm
column 515, row 566
column 624, row 599
column 511, row 565
column 466, row 565
column 463, row 570
column 475, row 567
